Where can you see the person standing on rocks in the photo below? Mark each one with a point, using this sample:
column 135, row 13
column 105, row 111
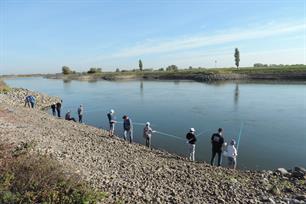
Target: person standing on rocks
column 58, row 108
column 112, row 121
column 53, row 106
column 231, row 153
column 32, row 101
column 27, row 101
column 147, row 134
column 191, row 141
column 68, row 116
column 217, row 141
column 128, row 128
column 80, row 113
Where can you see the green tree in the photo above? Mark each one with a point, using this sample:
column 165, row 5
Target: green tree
column 237, row 57
column 172, row 68
column 94, row 70
column 66, row 70
column 140, row 65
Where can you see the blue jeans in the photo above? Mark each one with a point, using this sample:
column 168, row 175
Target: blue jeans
column 128, row 133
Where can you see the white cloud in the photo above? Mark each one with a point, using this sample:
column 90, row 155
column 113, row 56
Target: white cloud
column 198, row 41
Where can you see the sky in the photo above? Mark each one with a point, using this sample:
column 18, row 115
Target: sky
column 41, row 36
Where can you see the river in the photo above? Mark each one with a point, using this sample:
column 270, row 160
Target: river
column 271, row 116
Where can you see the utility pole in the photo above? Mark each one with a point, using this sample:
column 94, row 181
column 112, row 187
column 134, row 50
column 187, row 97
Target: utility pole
column 215, row 63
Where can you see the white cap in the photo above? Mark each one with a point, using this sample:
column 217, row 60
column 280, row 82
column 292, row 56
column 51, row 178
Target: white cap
column 148, row 123
column 111, row 111
column 192, row 130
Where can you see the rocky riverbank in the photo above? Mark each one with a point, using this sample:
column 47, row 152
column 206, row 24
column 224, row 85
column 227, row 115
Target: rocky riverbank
column 132, row 173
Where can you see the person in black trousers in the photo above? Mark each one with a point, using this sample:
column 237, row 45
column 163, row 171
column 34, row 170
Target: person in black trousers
column 53, row 109
column 58, row 108
column 217, row 141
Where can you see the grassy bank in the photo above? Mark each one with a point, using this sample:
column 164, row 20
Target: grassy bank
column 192, row 74
column 32, row 178
column 3, row 87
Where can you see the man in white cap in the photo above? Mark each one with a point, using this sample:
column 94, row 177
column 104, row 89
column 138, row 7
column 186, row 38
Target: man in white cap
column 147, row 134
column 191, row 140
column 112, row 121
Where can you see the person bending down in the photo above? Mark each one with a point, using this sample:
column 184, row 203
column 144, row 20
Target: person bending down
column 68, row 116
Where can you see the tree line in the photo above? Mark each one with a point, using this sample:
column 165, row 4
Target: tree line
column 170, row 68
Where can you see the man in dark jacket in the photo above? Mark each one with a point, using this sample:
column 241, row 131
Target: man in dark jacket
column 191, row 141
column 53, row 106
column 128, row 128
column 69, row 117
column 217, row 141
column 58, row 108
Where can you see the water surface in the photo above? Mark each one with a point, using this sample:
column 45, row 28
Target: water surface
column 273, row 114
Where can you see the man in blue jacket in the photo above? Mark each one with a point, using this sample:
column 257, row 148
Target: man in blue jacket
column 128, row 128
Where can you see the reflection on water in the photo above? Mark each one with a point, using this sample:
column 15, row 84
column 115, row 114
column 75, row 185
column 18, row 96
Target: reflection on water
column 236, row 94
column 174, row 107
column 141, row 88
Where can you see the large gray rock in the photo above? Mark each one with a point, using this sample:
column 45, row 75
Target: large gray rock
column 282, row 171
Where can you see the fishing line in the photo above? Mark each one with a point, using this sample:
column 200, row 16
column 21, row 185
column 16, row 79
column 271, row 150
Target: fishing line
column 133, row 123
column 201, row 133
column 239, row 135
column 173, row 136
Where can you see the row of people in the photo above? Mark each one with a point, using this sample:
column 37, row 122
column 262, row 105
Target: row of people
column 56, row 108
column 217, row 140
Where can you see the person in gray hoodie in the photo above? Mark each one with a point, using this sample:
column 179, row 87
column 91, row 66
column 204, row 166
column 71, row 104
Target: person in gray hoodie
column 80, row 113
column 147, row 134
column 127, row 128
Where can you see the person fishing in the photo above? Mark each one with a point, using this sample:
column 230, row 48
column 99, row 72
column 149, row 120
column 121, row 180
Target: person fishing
column 128, row 128
column 112, row 121
column 80, row 113
column 68, row 116
column 27, row 101
column 58, row 108
column 147, row 134
column 53, row 106
column 32, row 101
column 217, row 141
column 231, row 154
column 191, row 140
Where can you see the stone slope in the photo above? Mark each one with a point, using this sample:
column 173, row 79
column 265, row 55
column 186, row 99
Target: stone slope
column 133, row 173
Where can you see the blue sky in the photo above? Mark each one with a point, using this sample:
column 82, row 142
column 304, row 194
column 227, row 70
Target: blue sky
column 41, row 36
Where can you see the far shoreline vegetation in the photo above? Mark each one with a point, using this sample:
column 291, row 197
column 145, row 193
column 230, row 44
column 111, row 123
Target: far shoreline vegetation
column 172, row 72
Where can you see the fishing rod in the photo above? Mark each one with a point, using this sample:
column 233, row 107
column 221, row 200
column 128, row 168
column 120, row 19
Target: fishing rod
column 239, row 135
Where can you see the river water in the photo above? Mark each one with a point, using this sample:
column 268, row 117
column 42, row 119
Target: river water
column 271, row 116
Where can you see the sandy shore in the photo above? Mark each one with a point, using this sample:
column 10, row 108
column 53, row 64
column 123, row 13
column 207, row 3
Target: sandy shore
column 131, row 172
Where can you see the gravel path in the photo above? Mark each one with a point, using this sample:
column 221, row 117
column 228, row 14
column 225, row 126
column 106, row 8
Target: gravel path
column 131, row 172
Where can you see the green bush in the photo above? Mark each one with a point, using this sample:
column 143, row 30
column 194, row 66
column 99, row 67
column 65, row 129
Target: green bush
column 4, row 88
column 34, row 178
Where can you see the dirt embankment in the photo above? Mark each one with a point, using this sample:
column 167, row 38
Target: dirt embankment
column 135, row 174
